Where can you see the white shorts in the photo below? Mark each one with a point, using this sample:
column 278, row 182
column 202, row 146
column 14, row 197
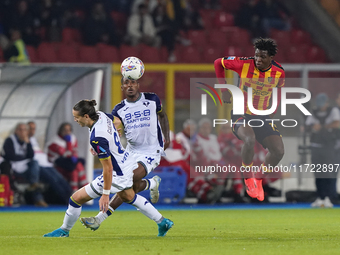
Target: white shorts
column 119, row 183
column 149, row 161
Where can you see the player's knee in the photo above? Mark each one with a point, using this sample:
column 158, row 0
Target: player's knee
column 249, row 141
column 278, row 153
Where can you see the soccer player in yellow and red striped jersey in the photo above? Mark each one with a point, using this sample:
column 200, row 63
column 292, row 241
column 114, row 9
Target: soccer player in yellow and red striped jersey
column 262, row 74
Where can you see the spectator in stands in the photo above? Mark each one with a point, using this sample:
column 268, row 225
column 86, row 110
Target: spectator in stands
column 165, row 30
column 207, row 153
column 63, row 153
column 248, row 18
column 273, row 14
column 48, row 174
column 50, row 15
column 324, row 128
column 15, row 51
column 99, row 27
column 141, row 29
column 187, row 137
column 18, row 150
column 198, row 185
column 24, row 19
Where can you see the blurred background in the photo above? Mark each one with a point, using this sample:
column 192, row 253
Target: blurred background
column 54, row 53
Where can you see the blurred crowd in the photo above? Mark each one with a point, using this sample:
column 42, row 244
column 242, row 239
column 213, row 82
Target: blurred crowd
column 32, row 175
column 152, row 22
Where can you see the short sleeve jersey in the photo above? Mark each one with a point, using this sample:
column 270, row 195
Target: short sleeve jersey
column 141, row 125
column 262, row 82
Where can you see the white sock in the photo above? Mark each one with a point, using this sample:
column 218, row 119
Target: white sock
column 71, row 216
column 153, row 183
column 102, row 216
column 145, row 207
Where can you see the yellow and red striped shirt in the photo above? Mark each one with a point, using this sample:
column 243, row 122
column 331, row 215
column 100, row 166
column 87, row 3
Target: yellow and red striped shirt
column 261, row 81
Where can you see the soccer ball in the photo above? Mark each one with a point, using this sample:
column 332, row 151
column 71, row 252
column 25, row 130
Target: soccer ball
column 132, row 68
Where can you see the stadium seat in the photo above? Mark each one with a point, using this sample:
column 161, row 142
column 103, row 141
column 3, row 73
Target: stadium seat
column 108, row 53
column 230, row 5
column 282, row 38
column 128, row 51
column 233, row 51
column 120, row 21
column 70, row 35
column 32, row 53
column 68, row 53
column 296, row 54
column 88, row 54
column 211, row 54
column 47, row 52
column 207, row 17
column 150, row 54
column 223, row 20
column 217, row 38
column 154, row 81
column 198, row 37
column 238, row 37
column 190, row 54
column 315, row 54
column 298, row 36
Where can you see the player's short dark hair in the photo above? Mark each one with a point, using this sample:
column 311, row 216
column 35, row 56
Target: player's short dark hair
column 267, row 44
column 86, row 106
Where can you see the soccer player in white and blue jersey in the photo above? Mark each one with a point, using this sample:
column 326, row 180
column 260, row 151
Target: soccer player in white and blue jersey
column 145, row 126
column 117, row 177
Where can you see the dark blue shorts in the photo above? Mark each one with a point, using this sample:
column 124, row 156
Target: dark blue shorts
column 262, row 129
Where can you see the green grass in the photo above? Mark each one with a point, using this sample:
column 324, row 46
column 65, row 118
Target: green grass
column 296, row 231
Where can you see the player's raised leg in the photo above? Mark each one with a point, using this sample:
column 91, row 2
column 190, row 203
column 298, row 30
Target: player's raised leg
column 139, row 185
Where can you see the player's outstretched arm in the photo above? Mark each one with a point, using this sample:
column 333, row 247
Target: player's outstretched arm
column 107, row 174
column 163, row 120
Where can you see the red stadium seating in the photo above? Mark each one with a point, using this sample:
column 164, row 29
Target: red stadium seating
column 47, row 52
column 128, row 51
column 218, row 38
column 108, row 53
column 223, row 20
column 233, row 51
column 296, row 54
column 211, row 54
column 198, row 37
column 32, row 53
column 230, row 5
column 207, row 17
column 88, row 54
column 1, row 56
column 282, row 38
column 315, row 55
column 120, row 20
column 150, row 54
column 68, row 53
column 238, row 37
column 190, row 54
column 300, row 37
column 70, row 35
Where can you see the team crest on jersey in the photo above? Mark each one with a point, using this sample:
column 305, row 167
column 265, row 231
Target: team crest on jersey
column 270, row 79
column 231, row 58
column 146, row 103
column 149, row 160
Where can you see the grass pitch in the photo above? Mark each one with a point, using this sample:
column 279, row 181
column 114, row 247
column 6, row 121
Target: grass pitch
column 261, row 231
